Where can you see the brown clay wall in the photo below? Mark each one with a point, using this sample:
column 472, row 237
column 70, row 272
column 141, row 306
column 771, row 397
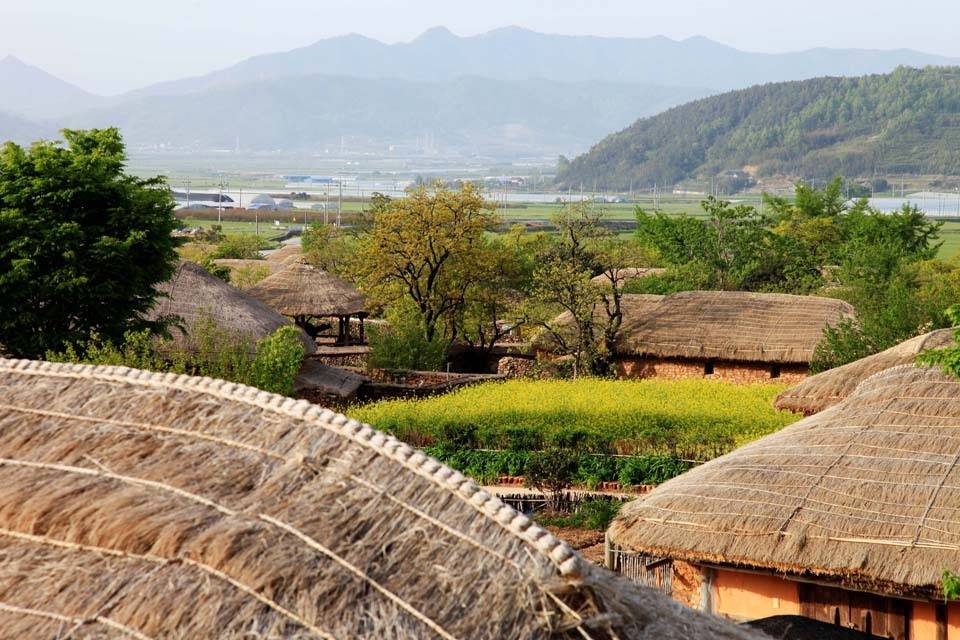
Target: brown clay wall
column 676, row 369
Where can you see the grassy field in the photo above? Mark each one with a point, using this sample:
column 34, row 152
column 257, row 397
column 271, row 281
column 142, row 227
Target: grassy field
column 675, row 205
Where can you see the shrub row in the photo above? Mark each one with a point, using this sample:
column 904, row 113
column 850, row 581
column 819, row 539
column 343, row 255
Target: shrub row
column 588, row 469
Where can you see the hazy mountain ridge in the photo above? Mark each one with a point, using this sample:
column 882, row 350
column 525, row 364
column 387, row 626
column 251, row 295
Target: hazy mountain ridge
column 468, row 113
column 246, row 99
column 906, row 121
column 513, row 53
column 32, row 93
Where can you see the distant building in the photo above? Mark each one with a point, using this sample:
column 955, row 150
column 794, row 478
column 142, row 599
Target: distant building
column 263, row 201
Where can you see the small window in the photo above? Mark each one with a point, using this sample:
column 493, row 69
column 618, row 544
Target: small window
column 708, row 369
column 775, row 371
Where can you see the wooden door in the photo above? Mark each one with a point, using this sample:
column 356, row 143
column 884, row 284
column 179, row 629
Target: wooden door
column 878, row 615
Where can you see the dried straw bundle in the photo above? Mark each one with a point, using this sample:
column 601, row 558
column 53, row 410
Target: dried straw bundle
column 300, row 289
column 285, row 253
column 142, row 505
column 865, row 493
column 824, row 390
column 734, row 326
column 236, row 265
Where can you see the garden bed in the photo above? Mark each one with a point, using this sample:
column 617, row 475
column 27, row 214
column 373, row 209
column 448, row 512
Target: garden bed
column 629, row 432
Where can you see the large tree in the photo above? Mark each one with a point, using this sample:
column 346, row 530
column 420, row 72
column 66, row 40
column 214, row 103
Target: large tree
column 426, row 247
column 82, row 244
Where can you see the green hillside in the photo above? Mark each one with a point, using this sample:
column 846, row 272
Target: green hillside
column 907, row 121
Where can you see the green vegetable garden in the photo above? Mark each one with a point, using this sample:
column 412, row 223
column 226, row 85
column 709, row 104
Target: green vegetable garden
column 633, row 432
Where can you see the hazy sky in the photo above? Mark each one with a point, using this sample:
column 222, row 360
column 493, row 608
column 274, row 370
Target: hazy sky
column 109, row 46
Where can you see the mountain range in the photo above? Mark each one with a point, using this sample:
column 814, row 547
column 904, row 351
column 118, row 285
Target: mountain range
column 507, row 91
column 907, row 121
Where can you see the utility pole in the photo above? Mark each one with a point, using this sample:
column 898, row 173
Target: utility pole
column 188, row 195
column 339, row 200
column 220, row 203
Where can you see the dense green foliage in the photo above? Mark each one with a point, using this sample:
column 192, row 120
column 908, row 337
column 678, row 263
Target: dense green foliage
column 242, row 246
column 948, row 359
column 272, row 366
column 905, row 121
column 694, row 419
column 82, row 245
column 580, row 468
column 596, row 514
column 815, row 243
column 402, row 342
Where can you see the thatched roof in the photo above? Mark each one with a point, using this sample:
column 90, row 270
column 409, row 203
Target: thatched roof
column 865, row 493
column 284, row 253
column 824, row 390
column 634, row 306
column 625, row 274
column 160, row 506
column 301, row 289
column 327, row 380
column 732, row 325
column 192, row 294
column 234, row 265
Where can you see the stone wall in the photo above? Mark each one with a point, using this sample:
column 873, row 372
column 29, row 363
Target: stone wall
column 678, row 368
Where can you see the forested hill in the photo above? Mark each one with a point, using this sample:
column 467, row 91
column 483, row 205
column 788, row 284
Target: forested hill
column 905, row 121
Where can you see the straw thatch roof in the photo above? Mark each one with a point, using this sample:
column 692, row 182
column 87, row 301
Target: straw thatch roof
column 625, row 274
column 634, row 306
column 824, row 390
column 284, row 253
column 732, row 325
column 192, row 294
column 316, row 376
column 865, row 493
column 234, row 265
column 301, row 289
column 143, row 505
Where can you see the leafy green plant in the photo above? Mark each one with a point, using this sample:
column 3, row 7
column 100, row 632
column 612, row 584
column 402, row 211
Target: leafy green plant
column 272, row 366
column 277, row 361
column 594, row 514
column 82, row 244
column 947, row 359
column 403, row 343
column 950, row 583
column 241, row 246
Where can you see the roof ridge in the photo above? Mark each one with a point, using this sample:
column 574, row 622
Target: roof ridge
column 519, row 525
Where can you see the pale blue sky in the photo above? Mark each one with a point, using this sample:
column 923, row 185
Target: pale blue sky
column 108, row 46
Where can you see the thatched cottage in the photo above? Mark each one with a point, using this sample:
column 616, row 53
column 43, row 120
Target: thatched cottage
column 728, row 335
column 307, row 294
column 143, row 505
column 826, row 389
column 849, row 517
column 193, row 295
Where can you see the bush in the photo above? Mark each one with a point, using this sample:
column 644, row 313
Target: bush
column 277, row 361
column 588, row 469
column 273, row 366
column 403, row 344
column 242, row 246
column 594, row 514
